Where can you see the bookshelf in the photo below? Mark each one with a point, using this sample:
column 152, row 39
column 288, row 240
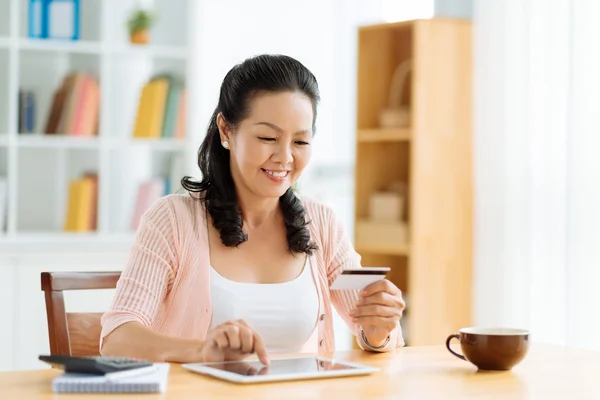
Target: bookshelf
column 38, row 167
column 429, row 246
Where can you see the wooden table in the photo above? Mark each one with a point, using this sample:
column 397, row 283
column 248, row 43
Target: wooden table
column 411, row 373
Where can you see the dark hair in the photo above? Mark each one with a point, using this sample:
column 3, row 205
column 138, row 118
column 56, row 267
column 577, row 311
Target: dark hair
column 256, row 75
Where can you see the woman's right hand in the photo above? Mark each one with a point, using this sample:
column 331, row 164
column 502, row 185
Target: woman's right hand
column 233, row 341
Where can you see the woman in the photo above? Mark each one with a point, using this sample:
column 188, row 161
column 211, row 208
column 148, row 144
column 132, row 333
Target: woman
column 242, row 265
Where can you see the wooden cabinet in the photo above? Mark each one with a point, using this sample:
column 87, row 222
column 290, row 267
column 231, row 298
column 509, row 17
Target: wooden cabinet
column 430, row 248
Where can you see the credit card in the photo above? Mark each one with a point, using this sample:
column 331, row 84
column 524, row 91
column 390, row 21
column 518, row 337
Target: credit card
column 359, row 278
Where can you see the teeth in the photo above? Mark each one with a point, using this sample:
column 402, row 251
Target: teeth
column 279, row 174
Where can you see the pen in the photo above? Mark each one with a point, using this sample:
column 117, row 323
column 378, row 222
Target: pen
column 114, row 376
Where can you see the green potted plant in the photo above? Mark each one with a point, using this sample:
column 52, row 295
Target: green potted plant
column 139, row 25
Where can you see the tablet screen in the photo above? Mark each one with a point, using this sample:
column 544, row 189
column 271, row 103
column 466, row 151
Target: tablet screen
column 284, row 366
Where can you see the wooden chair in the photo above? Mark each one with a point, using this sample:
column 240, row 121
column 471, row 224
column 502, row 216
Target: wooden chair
column 74, row 334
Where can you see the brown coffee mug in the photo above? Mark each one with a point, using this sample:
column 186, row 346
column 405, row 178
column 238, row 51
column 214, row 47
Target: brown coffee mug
column 497, row 349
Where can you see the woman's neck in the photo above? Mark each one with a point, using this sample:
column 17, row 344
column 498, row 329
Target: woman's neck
column 257, row 212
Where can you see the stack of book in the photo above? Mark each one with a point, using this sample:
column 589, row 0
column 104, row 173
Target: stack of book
column 161, row 109
column 75, row 107
column 82, row 207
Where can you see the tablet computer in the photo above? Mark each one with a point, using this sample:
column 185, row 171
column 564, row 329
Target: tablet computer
column 280, row 369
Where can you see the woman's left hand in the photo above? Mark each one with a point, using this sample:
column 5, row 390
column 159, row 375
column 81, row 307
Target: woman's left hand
column 378, row 311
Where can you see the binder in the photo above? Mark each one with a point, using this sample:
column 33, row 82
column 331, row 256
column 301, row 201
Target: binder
column 145, row 380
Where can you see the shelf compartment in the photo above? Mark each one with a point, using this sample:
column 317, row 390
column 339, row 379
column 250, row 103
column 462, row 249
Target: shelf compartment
column 379, row 165
column 381, row 237
column 128, row 171
column 90, row 12
column 42, row 186
column 383, row 135
column 42, row 74
column 380, row 52
column 171, row 27
column 129, row 75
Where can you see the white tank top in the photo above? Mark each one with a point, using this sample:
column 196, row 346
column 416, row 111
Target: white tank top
column 284, row 314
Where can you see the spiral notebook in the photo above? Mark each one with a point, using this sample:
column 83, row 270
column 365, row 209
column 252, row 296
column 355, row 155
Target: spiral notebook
column 148, row 380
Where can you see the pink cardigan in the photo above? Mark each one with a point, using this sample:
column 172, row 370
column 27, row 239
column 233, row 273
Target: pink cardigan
column 165, row 284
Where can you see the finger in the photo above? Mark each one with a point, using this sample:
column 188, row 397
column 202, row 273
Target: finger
column 248, row 336
column 383, row 285
column 381, row 298
column 257, row 343
column 388, row 323
column 246, row 340
column 233, row 336
column 260, row 349
column 220, row 340
column 241, row 322
column 375, row 311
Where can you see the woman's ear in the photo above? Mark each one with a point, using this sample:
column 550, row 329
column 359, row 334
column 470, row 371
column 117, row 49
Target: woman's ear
column 224, row 130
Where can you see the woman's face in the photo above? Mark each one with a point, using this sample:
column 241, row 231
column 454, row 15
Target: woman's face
column 270, row 149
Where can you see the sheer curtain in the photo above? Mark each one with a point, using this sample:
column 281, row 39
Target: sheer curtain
column 537, row 170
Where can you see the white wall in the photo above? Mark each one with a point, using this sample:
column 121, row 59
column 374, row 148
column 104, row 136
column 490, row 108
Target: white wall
column 233, row 30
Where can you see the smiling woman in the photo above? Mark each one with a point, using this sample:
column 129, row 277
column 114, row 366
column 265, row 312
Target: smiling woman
column 241, row 264
column 257, row 145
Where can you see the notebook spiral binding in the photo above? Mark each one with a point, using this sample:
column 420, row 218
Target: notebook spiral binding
column 77, row 386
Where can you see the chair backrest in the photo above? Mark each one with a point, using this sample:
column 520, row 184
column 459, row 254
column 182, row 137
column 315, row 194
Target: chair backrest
column 74, row 334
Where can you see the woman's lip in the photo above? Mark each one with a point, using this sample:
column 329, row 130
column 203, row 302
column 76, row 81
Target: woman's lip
column 276, row 178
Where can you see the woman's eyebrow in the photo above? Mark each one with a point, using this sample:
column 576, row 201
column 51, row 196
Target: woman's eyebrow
column 278, row 129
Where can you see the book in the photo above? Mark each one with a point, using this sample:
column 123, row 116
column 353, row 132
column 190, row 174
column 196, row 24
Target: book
column 27, row 108
column 151, row 109
column 81, row 213
column 171, row 106
column 162, row 108
column 54, row 19
column 75, row 108
column 148, row 193
column 146, row 380
column 180, row 124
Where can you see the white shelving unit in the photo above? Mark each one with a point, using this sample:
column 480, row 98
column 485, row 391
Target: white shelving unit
column 38, row 167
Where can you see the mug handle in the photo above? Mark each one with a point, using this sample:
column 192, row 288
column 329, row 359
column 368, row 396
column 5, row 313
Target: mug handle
column 448, row 340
